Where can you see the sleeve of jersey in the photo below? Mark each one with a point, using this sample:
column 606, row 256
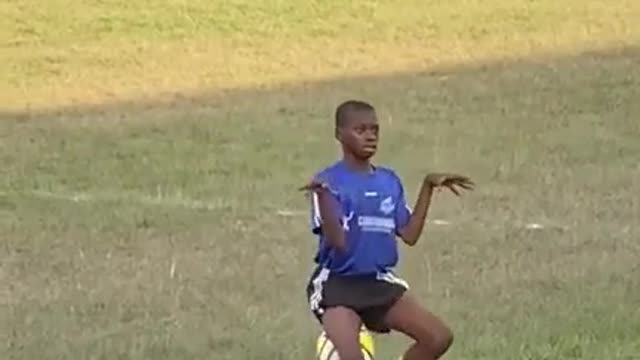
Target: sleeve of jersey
column 403, row 212
column 316, row 218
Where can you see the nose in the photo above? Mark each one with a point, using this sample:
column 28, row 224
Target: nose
column 370, row 136
column 371, row 141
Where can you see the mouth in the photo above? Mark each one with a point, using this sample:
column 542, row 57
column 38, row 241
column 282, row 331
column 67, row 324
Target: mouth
column 370, row 148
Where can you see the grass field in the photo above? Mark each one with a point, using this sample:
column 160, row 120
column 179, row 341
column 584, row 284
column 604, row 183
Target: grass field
column 151, row 150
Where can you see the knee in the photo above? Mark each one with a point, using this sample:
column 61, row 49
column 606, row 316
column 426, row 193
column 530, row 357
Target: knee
column 441, row 341
column 436, row 342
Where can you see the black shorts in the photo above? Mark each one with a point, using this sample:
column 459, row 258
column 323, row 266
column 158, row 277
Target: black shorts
column 370, row 296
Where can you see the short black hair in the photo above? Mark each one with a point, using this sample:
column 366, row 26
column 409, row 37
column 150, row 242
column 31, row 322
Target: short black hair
column 350, row 105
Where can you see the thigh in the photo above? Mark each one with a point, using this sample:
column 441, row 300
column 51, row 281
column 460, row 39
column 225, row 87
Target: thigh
column 342, row 326
column 409, row 317
column 374, row 316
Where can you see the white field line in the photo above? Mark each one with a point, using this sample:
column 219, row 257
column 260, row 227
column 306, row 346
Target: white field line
column 437, row 222
column 179, row 201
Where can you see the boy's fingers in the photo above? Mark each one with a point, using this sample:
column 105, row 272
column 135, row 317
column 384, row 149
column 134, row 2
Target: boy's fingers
column 314, row 186
column 466, row 186
column 461, row 178
column 453, row 189
column 308, row 187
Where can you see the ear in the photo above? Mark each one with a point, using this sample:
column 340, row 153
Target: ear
column 337, row 133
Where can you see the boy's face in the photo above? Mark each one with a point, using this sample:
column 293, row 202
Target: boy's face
column 359, row 133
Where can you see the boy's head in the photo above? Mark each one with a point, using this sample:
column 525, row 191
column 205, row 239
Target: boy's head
column 357, row 128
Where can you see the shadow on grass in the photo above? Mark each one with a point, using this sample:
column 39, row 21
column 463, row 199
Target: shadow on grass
column 550, row 80
column 531, row 107
column 572, row 122
column 578, row 111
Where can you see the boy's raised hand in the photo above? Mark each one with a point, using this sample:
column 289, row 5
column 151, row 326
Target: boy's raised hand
column 450, row 181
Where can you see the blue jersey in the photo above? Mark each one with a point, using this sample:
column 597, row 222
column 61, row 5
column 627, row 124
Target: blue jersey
column 372, row 208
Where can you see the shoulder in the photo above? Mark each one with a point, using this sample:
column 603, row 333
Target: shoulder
column 330, row 173
column 391, row 180
column 388, row 174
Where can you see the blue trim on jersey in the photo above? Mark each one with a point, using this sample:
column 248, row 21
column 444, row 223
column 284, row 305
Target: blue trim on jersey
column 372, row 208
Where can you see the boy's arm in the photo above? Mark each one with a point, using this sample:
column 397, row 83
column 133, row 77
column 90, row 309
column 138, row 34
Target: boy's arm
column 326, row 214
column 411, row 228
column 329, row 220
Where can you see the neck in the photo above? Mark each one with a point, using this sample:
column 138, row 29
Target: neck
column 357, row 164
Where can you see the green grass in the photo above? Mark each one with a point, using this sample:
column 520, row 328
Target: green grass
column 149, row 149
column 65, row 52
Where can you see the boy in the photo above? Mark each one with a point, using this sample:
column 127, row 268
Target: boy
column 358, row 209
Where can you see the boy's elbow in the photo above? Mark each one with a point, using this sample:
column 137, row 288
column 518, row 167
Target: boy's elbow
column 408, row 237
column 410, row 241
column 341, row 248
column 338, row 241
